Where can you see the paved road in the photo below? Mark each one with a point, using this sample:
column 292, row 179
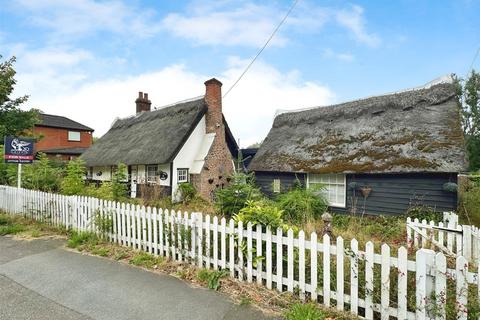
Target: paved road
column 40, row 280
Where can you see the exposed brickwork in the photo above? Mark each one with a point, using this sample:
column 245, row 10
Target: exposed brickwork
column 142, row 103
column 54, row 138
column 218, row 164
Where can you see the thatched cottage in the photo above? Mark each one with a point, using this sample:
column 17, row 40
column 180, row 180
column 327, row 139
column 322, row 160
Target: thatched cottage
column 379, row 155
column 185, row 142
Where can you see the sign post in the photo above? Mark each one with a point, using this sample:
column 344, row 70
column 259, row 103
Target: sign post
column 18, row 150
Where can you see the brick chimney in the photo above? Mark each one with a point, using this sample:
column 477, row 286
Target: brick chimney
column 142, row 102
column 213, row 98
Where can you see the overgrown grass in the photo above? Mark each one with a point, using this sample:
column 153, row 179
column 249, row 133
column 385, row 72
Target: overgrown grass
column 80, row 240
column 143, row 259
column 17, row 225
column 312, row 311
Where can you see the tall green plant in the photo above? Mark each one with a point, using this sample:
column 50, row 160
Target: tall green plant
column 119, row 180
column 74, row 181
column 233, row 198
column 42, row 175
column 301, row 205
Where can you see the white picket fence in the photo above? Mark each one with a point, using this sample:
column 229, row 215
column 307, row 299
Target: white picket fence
column 448, row 236
column 341, row 275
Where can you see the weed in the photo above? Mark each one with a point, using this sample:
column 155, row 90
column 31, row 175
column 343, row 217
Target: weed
column 120, row 255
column 80, row 239
column 211, row 278
column 146, row 260
column 100, row 251
column 308, row 311
column 245, row 301
column 35, row 233
column 11, row 229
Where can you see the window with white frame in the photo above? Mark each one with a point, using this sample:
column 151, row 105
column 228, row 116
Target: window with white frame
column 182, row 175
column 334, row 187
column 152, row 173
column 73, row 136
column 276, row 185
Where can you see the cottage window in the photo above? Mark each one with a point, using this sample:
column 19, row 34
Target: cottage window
column 334, row 187
column 152, row 173
column 73, row 136
column 182, row 175
column 276, row 185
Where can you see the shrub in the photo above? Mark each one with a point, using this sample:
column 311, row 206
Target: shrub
column 422, row 212
column 302, row 205
column 74, row 183
column 470, row 205
column 308, row 311
column 231, row 199
column 118, row 185
column 260, row 212
column 187, row 192
column 42, row 175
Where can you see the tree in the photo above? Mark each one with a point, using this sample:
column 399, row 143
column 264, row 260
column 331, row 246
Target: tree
column 13, row 120
column 119, row 179
column 73, row 183
column 468, row 93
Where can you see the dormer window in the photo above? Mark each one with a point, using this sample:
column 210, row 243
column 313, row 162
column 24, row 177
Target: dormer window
column 73, row 136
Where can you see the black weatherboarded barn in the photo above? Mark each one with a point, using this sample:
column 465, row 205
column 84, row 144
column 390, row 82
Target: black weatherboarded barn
column 382, row 154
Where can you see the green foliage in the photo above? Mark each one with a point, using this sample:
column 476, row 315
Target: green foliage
column 211, row 278
column 13, row 120
column 104, row 191
column 118, row 185
column 143, row 259
column 302, row 205
column 104, row 223
column 187, row 192
column 73, row 183
column 231, row 199
column 307, row 311
column 9, row 226
column 42, row 175
column 80, row 239
column 470, row 204
column 262, row 212
column 422, row 212
column 468, row 93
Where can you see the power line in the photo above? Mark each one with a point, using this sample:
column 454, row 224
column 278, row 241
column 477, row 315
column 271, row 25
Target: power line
column 473, row 61
column 264, row 46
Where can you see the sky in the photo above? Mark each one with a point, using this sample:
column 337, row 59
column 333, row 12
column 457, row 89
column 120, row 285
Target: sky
column 88, row 59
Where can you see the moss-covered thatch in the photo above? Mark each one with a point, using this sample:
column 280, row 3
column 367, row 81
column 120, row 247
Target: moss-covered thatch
column 411, row 131
column 147, row 138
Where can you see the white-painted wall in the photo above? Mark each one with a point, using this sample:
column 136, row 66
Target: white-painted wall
column 188, row 153
column 102, row 173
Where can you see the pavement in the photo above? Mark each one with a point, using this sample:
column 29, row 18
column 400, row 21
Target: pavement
column 39, row 280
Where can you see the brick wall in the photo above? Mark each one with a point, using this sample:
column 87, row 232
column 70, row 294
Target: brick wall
column 53, row 138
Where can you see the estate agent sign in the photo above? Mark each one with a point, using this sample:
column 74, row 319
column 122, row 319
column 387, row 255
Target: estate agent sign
column 18, row 150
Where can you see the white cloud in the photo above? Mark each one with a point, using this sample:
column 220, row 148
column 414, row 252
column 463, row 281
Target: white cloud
column 248, row 24
column 249, row 108
column 346, row 57
column 82, row 17
column 355, row 21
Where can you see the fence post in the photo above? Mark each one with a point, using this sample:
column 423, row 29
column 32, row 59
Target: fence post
column 467, row 242
column 424, row 281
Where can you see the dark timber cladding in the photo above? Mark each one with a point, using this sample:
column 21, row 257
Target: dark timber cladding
column 405, row 146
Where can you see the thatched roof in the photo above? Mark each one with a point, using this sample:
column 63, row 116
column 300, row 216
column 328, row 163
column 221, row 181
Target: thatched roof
column 411, row 131
column 147, row 138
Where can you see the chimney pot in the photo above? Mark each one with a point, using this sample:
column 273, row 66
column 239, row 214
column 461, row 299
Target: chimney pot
column 142, row 103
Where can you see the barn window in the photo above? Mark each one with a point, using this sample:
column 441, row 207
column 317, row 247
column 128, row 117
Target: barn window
column 182, row 175
column 152, row 172
column 334, row 187
column 73, row 136
column 276, row 185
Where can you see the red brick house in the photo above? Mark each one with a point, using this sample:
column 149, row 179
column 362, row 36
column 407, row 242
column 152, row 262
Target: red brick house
column 188, row 141
column 61, row 138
